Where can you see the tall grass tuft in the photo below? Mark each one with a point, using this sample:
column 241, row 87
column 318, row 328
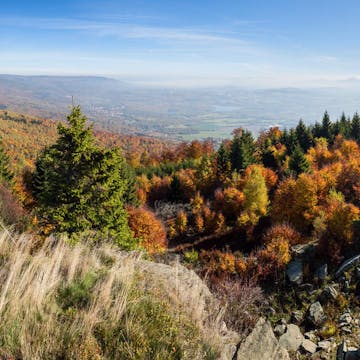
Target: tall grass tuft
column 74, row 302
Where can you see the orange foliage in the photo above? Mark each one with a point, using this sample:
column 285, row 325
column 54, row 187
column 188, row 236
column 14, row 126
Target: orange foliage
column 229, row 201
column 187, row 183
column 181, row 222
column 282, row 232
column 274, row 257
column 320, row 155
column 269, row 175
column 296, row 202
column 145, row 226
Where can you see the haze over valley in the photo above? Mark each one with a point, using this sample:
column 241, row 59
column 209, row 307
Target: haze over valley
column 177, row 113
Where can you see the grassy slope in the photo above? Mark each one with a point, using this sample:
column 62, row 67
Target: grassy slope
column 71, row 302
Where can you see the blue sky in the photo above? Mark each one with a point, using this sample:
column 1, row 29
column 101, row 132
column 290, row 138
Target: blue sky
column 251, row 43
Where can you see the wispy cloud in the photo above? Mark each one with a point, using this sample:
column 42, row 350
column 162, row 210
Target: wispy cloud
column 123, row 27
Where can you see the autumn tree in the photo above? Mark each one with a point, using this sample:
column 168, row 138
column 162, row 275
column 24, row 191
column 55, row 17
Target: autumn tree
column 82, row 188
column 147, row 228
column 255, row 198
column 223, row 164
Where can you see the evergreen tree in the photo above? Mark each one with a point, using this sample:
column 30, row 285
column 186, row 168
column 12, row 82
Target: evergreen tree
column 175, row 189
column 317, row 130
column 223, row 164
column 342, row 127
column 242, row 151
column 290, row 140
column 6, row 174
column 304, row 136
column 267, row 156
column 298, row 163
column 355, row 127
column 326, row 128
column 81, row 188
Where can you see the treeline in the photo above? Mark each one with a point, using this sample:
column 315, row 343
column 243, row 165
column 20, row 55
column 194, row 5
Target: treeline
column 282, row 188
column 266, row 194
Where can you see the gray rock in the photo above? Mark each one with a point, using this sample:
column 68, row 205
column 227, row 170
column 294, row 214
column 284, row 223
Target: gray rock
column 324, row 345
column 295, row 271
column 346, row 330
column 321, row 273
column 262, row 344
column 345, row 319
column 185, row 288
column 228, row 352
column 279, row 329
column 310, row 335
column 316, row 314
column 308, row 347
column 329, row 293
column 292, row 339
column 297, row 316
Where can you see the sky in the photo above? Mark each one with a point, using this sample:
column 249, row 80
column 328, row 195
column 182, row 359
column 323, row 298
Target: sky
column 256, row 43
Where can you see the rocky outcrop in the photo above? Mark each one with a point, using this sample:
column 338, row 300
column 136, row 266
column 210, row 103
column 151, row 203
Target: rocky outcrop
column 292, row 339
column 262, row 344
column 190, row 295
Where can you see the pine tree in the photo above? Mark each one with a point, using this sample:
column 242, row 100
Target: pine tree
column 268, row 157
column 304, row 136
column 342, row 127
column 6, row 174
column 81, row 188
column 290, row 140
column 355, row 127
column 242, row 151
column 326, row 128
column 298, row 163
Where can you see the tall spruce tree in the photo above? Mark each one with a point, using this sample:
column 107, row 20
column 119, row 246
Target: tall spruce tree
column 298, row 163
column 81, row 188
column 355, row 127
column 304, row 136
column 326, row 128
column 242, row 151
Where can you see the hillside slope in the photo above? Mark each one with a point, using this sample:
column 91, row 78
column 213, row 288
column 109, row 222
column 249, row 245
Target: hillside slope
column 58, row 301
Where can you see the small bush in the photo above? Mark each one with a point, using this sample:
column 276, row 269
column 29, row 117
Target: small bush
column 11, row 212
column 77, row 294
column 191, row 257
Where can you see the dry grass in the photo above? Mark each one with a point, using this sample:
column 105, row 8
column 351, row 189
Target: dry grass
column 71, row 302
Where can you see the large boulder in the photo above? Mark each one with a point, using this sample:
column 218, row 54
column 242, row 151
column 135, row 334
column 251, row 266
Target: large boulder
column 262, row 344
column 295, row 271
column 308, row 347
column 292, row 339
column 190, row 295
